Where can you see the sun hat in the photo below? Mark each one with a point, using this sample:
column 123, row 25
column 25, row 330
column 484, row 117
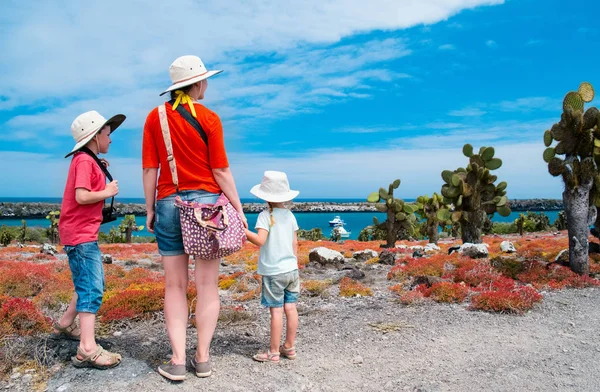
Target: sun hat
column 186, row 70
column 88, row 124
column 274, row 187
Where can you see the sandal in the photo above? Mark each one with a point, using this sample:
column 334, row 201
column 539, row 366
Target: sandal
column 71, row 332
column 267, row 357
column 97, row 359
column 289, row 353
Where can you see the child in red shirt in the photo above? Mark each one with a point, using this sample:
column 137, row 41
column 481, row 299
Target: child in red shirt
column 80, row 219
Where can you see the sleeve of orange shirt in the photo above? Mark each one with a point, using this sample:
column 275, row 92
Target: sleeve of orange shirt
column 150, row 158
column 216, row 145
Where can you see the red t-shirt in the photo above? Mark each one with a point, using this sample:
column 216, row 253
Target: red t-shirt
column 194, row 160
column 80, row 223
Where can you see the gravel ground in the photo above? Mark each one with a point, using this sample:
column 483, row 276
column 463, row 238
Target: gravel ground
column 434, row 347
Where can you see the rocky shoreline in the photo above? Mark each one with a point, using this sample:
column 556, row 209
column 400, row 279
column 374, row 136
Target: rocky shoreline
column 40, row 210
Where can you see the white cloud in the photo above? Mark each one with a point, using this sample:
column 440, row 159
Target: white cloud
column 491, row 43
column 447, row 47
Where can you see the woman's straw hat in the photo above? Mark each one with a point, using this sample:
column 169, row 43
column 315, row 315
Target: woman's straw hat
column 187, row 70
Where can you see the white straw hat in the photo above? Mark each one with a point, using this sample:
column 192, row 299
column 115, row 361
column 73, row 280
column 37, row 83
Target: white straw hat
column 187, row 70
column 274, row 187
column 87, row 125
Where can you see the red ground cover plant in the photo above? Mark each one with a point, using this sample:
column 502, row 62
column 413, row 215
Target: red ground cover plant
column 518, row 300
column 445, row 292
column 351, row 288
column 555, row 277
column 136, row 301
column 412, row 298
column 20, row 316
column 24, row 279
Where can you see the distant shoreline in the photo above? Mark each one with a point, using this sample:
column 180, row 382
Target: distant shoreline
column 33, row 210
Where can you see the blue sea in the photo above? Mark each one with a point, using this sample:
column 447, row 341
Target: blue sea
column 355, row 221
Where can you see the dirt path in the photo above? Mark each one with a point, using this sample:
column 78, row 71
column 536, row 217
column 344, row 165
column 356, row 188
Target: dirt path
column 441, row 347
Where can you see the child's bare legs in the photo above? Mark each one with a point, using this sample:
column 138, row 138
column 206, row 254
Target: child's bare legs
column 276, row 328
column 69, row 316
column 176, row 309
column 207, row 306
column 291, row 317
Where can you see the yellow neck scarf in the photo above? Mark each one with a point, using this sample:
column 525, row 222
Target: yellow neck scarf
column 183, row 98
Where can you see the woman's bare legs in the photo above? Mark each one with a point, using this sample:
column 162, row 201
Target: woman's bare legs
column 207, row 305
column 176, row 308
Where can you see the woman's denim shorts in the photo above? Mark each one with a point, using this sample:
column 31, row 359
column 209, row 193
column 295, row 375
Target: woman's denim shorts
column 167, row 227
column 85, row 261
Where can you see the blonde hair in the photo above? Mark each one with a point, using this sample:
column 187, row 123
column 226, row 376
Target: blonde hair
column 272, row 221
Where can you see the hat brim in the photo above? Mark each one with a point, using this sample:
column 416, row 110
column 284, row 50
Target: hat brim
column 114, row 122
column 192, row 81
column 274, row 198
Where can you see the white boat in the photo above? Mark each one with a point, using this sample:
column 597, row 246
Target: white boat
column 342, row 232
column 336, row 221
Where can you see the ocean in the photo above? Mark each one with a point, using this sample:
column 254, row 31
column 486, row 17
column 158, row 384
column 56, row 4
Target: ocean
column 355, row 221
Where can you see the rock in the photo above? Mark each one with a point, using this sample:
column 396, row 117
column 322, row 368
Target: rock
column 386, row 257
column 364, row 255
column 353, row 273
column 563, row 257
column 507, row 247
column 427, row 280
column 401, row 247
column 27, row 378
column 418, row 253
column 63, row 388
column 325, row 256
column 48, row 249
column 107, row 259
column 350, row 260
column 474, row 251
column 416, row 247
column 117, row 333
column 15, row 376
column 358, row 360
column 431, row 248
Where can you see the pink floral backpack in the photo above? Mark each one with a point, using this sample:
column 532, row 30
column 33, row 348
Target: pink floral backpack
column 209, row 231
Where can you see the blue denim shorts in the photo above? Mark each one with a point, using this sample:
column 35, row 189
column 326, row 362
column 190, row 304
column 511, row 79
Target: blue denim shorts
column 85, row 261
column 167, row 226
column 281, row 289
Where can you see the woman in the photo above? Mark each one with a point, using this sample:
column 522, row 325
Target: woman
column 202, row 173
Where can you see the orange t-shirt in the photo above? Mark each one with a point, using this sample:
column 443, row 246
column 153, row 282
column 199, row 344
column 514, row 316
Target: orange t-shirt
column 193, row 159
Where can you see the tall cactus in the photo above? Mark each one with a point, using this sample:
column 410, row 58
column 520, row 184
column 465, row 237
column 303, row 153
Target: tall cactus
column 436, row 214
column 473, row 193
column 400, row 216
column 52, row 230
column 578, row 137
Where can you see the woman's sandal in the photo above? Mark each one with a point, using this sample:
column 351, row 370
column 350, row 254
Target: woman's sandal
column 267, row 357
column 70, row 332
column 289, row 353
column 100, row 359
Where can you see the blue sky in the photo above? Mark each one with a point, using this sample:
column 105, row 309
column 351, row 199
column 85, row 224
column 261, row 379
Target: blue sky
column 344, row 96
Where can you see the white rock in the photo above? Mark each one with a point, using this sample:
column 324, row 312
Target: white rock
column 27, row 378
column 431, row 248
column 357, row 360
column 401, row 246
column 416, row 247
column 48, row 249
column 117, row 333
column 63, row 388
column 325, row 256
column 507, row 247
column 474, row 251
column 364, row 255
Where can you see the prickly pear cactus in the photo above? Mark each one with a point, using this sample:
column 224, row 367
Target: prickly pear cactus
column 435, row 213
column 578, row 143
column 473, row 192
column 400, row 216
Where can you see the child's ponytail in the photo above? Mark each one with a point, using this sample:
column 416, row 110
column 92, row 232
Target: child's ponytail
column 271, row 215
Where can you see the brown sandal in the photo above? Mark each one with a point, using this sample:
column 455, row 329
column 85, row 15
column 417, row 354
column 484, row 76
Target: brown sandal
column 289, row 353
column 71, row 332
column 267, row 357
column 97, row 359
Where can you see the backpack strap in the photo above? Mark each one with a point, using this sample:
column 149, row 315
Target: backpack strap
column 164, row 127
column 102, row 167
column 187, row 116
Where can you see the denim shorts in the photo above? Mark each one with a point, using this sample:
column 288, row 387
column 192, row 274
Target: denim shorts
column 167, row 226
column 281, row 289
column 85, row 261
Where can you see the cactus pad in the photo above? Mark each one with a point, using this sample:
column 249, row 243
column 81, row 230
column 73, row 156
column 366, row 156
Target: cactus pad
column 586, row 91
column 468, row 150
column 556, row 167
column 547, row 138
column 493, row 164
column 488, row 153
column 549, row 154
column 373, row 197
column 396, row 184
column 574, row 101
column 503, row 211
column 447, row 176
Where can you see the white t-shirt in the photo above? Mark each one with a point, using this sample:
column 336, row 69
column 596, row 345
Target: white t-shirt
column 277, row 253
